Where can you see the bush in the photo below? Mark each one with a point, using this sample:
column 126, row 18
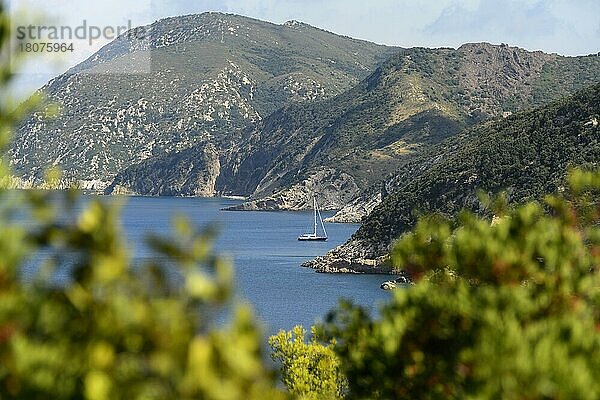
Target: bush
column 111, row 328
column 310, row 370
column 508, row 309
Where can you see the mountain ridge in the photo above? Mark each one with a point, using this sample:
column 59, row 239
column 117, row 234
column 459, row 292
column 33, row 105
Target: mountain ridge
column 223, row 72
column 341, row 146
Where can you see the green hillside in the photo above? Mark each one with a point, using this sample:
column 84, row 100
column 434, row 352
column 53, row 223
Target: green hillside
column 209, row 76
column 527, row 155
column 341, row 146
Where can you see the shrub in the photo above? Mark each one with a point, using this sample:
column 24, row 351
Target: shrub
column 111, row 328
column 507, row 309
column 310, row 370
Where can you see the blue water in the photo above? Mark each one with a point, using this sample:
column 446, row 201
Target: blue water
column 267, row 256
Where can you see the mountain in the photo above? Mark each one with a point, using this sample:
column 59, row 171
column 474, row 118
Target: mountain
column 527, row 155
column 196, row 78
column 348, row 148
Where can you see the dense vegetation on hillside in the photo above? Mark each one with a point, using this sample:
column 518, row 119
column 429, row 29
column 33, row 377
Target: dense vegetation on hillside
column 525, row 155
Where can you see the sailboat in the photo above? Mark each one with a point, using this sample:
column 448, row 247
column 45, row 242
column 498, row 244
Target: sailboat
column 313, row 236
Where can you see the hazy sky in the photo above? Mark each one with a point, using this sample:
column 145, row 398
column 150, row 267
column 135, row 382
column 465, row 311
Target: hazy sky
column 568, row 27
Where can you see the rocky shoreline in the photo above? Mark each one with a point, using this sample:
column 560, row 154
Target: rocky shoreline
column 352, row 257
column 334, row 191
column 328, row 265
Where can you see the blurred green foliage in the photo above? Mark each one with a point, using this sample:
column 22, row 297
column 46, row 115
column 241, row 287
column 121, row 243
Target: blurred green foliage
column 503, row 309
column 111, row 328
column 310, row 370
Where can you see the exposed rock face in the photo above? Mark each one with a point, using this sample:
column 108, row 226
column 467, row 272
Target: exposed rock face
column 357, row 209
column 195, row 175
column 332, row 188
column 118, row 190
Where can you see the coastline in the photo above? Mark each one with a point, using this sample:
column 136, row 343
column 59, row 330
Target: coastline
column 335, row 263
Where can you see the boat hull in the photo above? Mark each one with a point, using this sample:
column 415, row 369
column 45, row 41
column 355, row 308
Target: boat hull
column 312, row 239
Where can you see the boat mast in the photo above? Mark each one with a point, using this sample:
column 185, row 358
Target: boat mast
column 315, row 210
column 321, row 219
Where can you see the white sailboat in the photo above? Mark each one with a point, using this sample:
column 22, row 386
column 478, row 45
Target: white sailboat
column 314, row 237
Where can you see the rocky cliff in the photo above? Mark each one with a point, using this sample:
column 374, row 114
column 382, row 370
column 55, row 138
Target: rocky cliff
column 195, row 174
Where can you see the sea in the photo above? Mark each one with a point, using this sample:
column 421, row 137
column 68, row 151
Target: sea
column 266, row 254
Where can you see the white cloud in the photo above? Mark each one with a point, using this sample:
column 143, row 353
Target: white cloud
column 561, row 26
column 564, row 26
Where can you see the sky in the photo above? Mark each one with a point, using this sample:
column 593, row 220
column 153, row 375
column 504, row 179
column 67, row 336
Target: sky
column 567, row 27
